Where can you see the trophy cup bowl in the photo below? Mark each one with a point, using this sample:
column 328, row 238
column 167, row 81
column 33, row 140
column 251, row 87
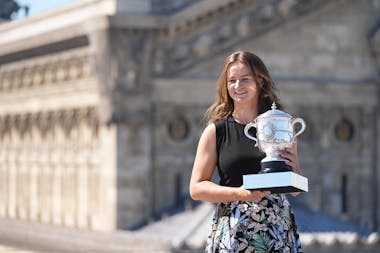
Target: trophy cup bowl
column 275, row 132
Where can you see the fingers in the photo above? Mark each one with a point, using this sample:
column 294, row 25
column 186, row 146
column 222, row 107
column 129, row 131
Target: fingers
column 264, row 193
column 290, row 155
column 261, row 194
column 255, row 195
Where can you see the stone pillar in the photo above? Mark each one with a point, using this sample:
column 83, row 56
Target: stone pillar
column 3, row 170
column 376, row 168
column 366, row 184
column 122, row 63
column 373, row 37
column 12, row 174
column 102, row 182
column 133, row 174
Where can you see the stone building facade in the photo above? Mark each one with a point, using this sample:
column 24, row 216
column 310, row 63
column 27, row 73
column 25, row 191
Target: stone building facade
column 101, row 103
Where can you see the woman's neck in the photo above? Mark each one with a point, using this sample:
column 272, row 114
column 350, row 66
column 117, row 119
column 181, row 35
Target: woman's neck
column 245, row 115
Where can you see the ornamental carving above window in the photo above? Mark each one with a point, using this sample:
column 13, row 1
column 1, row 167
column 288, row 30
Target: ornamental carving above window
column 178, row 128
column 344, row 130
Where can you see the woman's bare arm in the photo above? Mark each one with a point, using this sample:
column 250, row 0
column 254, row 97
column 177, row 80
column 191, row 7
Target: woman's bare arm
column 201, row 187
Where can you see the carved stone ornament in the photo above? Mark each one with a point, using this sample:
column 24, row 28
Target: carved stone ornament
column 50, row 70
column 344, row 130
column 245, row 19
column 178, row 128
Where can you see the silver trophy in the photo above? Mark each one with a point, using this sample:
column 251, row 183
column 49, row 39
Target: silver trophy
column 275, row 132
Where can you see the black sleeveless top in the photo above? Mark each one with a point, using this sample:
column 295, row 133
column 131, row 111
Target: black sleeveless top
column 237, row 154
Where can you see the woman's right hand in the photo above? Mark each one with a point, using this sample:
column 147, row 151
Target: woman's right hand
column 250, row 195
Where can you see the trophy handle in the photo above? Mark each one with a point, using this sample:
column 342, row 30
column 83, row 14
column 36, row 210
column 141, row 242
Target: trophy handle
column 246, row 129
column 303, row 126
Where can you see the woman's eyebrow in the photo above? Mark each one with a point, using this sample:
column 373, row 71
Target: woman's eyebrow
column 244, row 75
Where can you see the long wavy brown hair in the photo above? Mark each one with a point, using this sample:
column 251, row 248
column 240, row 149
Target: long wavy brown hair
column 223, row 105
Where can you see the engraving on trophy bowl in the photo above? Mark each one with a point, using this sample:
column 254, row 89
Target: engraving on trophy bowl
column 274, row 135
column 269, row 130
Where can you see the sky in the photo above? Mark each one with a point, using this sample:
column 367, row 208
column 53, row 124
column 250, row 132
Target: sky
column 40, row 6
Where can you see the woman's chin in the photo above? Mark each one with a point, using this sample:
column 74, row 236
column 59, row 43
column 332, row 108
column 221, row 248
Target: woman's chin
column 241, row 100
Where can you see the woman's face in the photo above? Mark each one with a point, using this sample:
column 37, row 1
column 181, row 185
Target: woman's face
column 241, row 85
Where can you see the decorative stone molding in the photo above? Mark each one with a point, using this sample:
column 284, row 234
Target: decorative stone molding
column 202, row 45
column 241, row 20
column 123, row 71
column 48, row 70
column 168, row 6
column 178, row 128
column 45, row 122
column 373, row 37
column 344, row 130
column 243, row 27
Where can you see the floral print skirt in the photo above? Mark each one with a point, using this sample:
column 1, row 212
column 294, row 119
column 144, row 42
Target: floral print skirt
column 258, row 227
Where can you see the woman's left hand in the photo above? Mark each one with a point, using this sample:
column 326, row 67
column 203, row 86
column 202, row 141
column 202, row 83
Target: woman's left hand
column 291, row 156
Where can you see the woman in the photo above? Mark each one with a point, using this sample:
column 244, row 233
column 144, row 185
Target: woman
column 244, row 220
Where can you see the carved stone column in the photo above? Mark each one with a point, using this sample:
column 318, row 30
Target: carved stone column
column 123, row 64
column 373, row 37
column 3, row 168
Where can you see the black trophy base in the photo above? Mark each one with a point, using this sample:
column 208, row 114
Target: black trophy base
column 280, row 182
column 274, row 166
column 284, row 189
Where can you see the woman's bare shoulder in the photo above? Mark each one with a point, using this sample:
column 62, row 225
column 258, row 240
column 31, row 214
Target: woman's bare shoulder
column 210, row 130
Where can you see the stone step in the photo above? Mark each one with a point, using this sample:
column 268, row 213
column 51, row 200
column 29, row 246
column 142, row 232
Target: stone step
column 9, row 249
column 46, row 238
column 186, row 229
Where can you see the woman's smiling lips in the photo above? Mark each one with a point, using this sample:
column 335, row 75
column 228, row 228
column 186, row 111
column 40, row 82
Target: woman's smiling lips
column 240, row 93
